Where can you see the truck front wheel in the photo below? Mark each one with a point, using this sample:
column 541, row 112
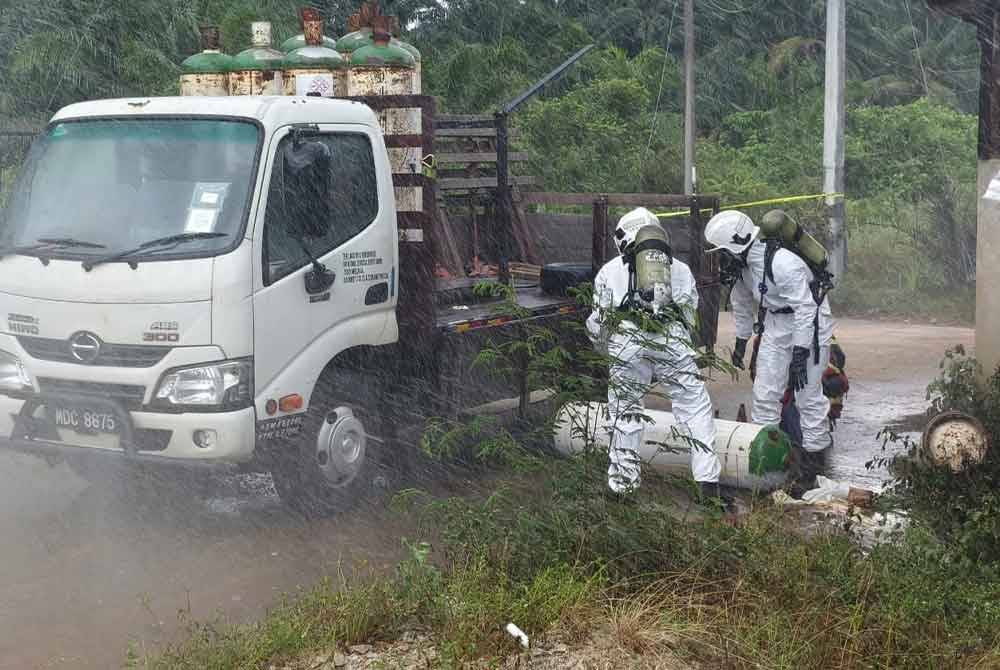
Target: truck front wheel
column 337, row 461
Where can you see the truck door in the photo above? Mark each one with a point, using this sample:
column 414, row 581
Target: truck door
column 322, row 204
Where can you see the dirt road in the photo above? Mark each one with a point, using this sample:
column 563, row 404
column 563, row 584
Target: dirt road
column 83, row 574
column 889, row 366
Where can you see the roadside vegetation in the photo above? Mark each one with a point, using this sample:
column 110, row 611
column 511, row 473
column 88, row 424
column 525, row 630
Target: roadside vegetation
column 672, row 585
column 546, row 552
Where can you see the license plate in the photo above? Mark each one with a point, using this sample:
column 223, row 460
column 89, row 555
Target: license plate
column 82, row 420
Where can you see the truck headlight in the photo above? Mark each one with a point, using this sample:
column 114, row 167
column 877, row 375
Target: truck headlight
column 13, row 376
column 227, row 385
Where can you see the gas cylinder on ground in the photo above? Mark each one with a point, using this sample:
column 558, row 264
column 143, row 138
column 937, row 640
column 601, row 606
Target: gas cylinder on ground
column 257, row 70
column 314, row 69
column 207, row 73
column 752, row 457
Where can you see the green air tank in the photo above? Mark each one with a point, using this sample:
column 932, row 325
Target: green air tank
column 381, row 68
column 257, row 70
column 777, row 224
column 652, row 267
column 314, row 69
column 207, row 73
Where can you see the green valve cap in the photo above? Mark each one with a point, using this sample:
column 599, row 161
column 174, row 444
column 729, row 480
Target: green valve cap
column 770, row 451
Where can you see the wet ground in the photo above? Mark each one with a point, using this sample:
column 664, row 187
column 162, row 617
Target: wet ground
column 889, row 366
column 83, row 574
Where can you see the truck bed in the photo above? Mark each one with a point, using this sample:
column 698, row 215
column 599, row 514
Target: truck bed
column 458, row 311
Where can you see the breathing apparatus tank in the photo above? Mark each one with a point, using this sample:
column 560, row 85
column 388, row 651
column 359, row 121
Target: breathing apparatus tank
column 651, row 251
column 777, row 225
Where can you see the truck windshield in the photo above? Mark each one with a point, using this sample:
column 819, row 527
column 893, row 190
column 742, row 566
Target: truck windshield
column 119, row 183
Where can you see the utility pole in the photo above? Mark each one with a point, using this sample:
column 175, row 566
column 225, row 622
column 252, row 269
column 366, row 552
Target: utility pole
column 833, row 132
column 689, row 127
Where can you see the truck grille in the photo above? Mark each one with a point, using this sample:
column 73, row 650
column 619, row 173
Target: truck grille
column 130, row 396
column 113, row 355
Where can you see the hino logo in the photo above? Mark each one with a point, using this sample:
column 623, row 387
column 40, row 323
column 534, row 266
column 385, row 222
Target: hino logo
column 85, row 347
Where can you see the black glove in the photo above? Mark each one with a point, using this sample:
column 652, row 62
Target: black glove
column 798, row 371
column 739, row 351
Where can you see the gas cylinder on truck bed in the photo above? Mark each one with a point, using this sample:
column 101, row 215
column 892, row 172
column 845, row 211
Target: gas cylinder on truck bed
column 207, row 73
column 257, row 70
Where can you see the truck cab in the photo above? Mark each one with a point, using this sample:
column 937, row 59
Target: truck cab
column 176, row 273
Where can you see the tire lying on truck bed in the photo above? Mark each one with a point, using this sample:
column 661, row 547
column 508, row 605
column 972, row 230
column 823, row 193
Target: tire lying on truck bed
column 340, row 458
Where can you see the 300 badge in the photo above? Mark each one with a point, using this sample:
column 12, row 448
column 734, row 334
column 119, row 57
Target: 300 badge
column 161, row 337
column 162, row 331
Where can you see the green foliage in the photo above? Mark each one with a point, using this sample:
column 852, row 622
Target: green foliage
column 961, row 509
column 473, row 441
column 613, row 123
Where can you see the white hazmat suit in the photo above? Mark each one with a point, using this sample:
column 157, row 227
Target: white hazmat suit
column 790, row 313
column 636, row 356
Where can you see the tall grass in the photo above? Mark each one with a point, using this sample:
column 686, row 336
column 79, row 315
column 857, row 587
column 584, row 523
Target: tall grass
column 549, row 554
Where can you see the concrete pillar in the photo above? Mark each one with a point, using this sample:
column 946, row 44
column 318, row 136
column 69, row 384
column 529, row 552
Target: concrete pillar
column 988, row 271
column 689, row 120
column 833, row 132
column 988, row 210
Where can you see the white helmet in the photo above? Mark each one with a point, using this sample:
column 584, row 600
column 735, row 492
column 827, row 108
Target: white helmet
column 731, row 230
column 629, row 225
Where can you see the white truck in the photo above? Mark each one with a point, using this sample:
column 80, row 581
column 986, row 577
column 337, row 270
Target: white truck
column 216, row 281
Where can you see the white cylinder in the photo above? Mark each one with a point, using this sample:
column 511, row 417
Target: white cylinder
column 581, row 423
column 956, row 440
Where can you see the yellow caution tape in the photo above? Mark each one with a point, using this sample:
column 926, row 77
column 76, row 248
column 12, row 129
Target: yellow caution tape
column 759, row 203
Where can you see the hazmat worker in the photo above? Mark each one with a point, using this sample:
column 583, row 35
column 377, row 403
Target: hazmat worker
column 643, row 283
column 795, row 334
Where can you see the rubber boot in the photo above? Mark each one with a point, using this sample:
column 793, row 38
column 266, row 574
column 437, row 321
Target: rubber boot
column 818, row 462
column 801, row 473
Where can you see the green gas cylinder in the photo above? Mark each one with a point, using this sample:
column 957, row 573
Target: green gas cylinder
column 777, row 224
column 412, row 50
column 357, row 36
column 257, row 70
column 314, row 69
column 207, row 73
column 381, row 68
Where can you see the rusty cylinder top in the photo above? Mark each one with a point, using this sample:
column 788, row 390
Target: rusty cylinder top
column 312, row 27
column 314, row 54
column 382, row 52
column 210, row 37
column 211, row 60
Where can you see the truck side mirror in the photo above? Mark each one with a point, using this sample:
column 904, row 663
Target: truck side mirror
column 306, row 177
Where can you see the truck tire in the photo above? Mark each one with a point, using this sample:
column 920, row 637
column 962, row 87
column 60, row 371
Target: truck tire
column 337, row 461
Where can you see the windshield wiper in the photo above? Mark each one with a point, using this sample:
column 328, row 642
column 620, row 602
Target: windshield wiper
column 170, row 240
column 43, row 243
